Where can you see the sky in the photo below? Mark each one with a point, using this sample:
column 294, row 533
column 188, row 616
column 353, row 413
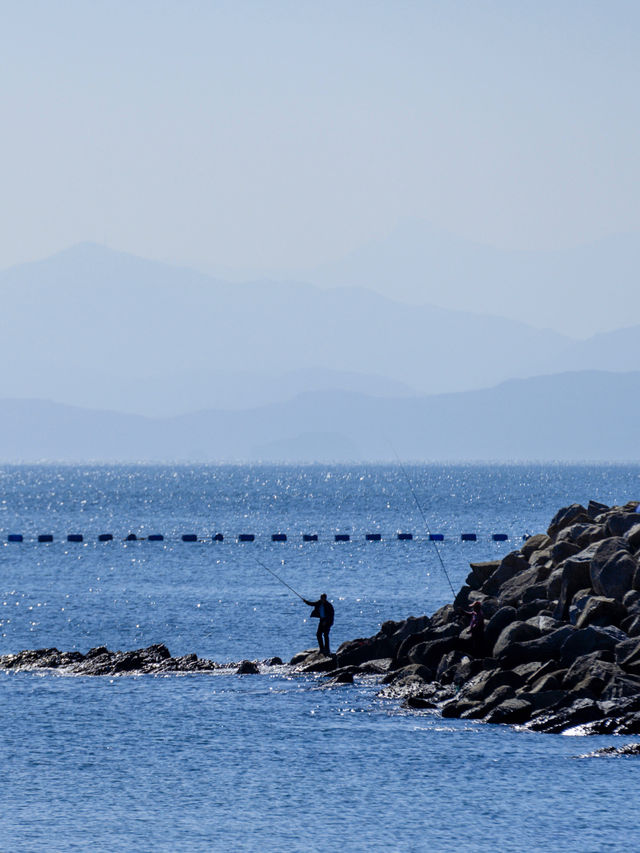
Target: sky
column 276, row 136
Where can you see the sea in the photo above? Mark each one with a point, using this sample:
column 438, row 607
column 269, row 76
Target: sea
column 276, row 761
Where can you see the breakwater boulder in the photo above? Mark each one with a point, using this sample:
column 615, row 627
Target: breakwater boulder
column 100, row 660
column 561, row 645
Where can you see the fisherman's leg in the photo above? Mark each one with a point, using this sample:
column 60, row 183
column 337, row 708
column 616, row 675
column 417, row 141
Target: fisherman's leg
column 320, row 636
column 326, row 642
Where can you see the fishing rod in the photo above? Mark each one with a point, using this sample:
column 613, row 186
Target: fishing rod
column 424, row 518
column 271, row 572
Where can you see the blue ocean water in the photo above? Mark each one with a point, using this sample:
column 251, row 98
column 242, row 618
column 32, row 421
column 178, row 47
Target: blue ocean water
column 272, row 762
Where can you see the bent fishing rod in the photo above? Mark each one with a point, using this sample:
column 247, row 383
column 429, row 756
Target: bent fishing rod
column 424, row 517
column 277, row 577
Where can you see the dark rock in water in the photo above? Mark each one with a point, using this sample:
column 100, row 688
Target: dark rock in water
column 97, row 652
column 513, row 711
column 375, row 667
column 101, row 661
column 419, row 702
column 275, row 661
column 580, row 712
column 614, row 751
column 247, row 667
column 344, row 677
column 413, row 672
column 317, row 662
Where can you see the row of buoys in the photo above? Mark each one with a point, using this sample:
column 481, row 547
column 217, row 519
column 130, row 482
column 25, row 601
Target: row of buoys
column 251, row 537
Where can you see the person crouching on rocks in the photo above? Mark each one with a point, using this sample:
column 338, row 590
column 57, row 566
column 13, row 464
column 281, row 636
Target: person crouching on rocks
column 476, row 626
column 322, row 610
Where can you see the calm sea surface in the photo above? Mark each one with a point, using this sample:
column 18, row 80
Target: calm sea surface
column 273, row 762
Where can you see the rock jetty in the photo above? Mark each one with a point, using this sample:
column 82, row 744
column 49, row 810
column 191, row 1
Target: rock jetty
column 154, row 660
column 561, row 644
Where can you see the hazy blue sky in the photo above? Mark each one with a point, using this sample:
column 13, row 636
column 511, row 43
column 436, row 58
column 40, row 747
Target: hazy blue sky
column 276, row 135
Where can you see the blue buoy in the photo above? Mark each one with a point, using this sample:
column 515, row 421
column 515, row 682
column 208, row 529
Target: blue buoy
column 373, row 537
column 45, row 537
column 105, row 537
column 218, row 537
column 74, row 537
column 15, row 537
column 246, row 537
column 436, row 537
column 156, row 537
column 309, row 537
column 278, row 537
column 405, row 537
column 131, row 538
column 499, row 537
column 342, row 537
column 189, row 537
column 525, row 537
column 468, row 537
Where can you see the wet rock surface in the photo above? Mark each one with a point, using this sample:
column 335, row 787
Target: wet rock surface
column 561, row 646
column 101, row 661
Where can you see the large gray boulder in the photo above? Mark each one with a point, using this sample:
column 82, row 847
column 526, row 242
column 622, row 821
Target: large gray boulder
column 543, row 648
column 565, row 517
column 613, row 568
column 514, row 590
column 511, row 565
column 498, row 622
column 516, row 632
column 535, row 543
column 576, row 574
column 430, row 654
column 480, row 572
column 601, row 611
column 620, row 523
column 633, row 537
column 599, row 664
column 582, row 642
column 512, row 711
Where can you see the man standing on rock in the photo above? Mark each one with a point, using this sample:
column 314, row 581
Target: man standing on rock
column 322, row 610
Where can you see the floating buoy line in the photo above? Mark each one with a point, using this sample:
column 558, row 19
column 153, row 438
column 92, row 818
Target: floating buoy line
column 399, row 536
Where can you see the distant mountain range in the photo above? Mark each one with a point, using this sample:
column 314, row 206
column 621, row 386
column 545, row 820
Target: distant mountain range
column 572, row 416
column 106, row 356
column 579, row 291
column 100, row 329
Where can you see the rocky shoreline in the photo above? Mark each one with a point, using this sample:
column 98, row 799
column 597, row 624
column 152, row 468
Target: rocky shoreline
column 561, row 644
column 154, row 660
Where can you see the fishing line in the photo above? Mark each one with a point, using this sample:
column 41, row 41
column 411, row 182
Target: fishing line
column 271, row 572
column 424, row 517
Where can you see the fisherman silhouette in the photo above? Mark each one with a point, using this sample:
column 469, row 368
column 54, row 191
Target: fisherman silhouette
column 322, row 610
